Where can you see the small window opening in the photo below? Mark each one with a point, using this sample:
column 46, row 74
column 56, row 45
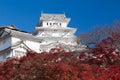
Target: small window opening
column 55, row 30
column 60, row 24
column 53, row 23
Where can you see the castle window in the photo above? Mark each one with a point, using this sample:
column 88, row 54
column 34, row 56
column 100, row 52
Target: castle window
column 55, row 30
column 47, row 23
column 56, row 23
column 60, row 24
column 50, row 23
column 53, row 23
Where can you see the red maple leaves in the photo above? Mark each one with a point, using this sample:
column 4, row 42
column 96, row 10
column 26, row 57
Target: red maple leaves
column 99, row 63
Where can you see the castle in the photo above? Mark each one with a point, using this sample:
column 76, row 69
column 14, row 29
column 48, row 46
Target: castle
column 50, row 32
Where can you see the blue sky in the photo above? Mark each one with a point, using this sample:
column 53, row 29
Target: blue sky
column 84, row 14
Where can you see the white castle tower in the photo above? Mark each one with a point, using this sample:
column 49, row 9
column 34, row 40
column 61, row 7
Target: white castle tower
column 51, row 32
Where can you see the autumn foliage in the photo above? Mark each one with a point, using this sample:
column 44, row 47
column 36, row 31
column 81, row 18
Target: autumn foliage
column 99, row 63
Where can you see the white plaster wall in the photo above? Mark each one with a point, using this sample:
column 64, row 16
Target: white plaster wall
column 19, row 52
column 30, row 44
column 46, row 48
column 5, row 43
column 64, row 24
column 15, row 40
column 55, row 34
column 35, row 46
column 45, row 23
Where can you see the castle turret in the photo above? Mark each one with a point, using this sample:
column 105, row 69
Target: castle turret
column 54, row 30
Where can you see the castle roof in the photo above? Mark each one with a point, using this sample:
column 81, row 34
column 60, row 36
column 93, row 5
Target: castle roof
column 8, row 31
column 51, row 17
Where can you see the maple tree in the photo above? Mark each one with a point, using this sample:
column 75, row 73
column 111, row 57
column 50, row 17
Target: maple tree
column 96, row 34
column 99, row 63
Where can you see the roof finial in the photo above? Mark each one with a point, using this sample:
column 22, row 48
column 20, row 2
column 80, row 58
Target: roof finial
column 41, row 12
column 64, row 13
